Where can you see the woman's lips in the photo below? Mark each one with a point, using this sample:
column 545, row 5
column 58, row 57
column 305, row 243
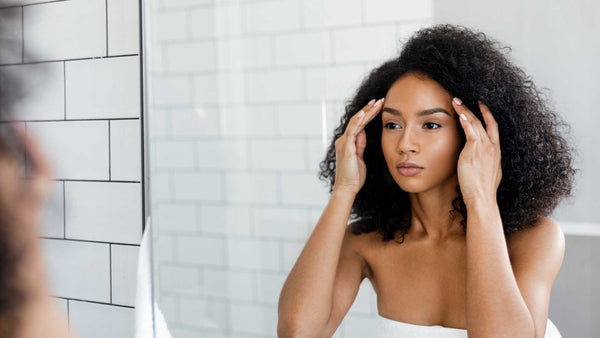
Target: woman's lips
column 409, row 171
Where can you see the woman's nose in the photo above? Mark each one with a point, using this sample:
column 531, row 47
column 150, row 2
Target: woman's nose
column 407, row 142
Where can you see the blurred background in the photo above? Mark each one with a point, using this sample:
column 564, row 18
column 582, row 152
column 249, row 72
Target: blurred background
column 212, row 125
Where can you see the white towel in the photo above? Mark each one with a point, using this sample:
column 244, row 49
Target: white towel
column 145, row 326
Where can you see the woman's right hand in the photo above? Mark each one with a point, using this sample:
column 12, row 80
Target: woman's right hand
column 351, row 171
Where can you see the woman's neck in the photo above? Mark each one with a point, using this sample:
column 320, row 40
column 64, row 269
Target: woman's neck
column 430, row 214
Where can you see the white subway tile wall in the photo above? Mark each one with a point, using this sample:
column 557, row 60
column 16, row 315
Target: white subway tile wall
column 54, row 218
column 81, row 74
column 64, row 30
column 123, row 27
column 44, row 87
column 103, row 211
column 76, row 149
column 123, row 273
column 75, row 277
column 103, row 88
column 244, row 100
column 125, row 150
column 100, row 320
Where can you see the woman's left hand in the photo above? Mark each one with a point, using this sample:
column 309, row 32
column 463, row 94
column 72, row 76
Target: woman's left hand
column 479, row 167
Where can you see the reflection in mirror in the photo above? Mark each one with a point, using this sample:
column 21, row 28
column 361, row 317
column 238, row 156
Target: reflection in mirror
column 250, row 192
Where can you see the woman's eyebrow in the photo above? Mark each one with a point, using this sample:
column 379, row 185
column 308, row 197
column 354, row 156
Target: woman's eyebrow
column 421, row 113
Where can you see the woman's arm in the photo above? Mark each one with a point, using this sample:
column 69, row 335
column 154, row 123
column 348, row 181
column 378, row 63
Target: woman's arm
column 306, row 297
column 495, row 306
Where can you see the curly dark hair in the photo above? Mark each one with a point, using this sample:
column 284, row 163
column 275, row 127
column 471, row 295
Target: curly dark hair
column 537, row 161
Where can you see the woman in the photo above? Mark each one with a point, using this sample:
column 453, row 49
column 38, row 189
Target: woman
column 461, row 159
column 26, row 310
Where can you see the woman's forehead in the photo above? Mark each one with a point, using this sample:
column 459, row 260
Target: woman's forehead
column 412, row 94
column 412, row 89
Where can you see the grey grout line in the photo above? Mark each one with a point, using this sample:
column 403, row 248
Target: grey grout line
column 109, row 163
column 22, row 35
column 106, row 26
column 84, row 180
column 110, row 271
column 64, row 210
column 93, row 302
column 75, row 120
column 34, row 4
column 88, row 241
column 73, row 59
column 143, row 157
column 65, row 88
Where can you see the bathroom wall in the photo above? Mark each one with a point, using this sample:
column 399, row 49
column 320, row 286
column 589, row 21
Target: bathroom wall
column 244, row 100
column 80, row 63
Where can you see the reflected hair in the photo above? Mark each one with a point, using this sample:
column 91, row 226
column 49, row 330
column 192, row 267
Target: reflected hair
column 537, row 158
column 12, row 248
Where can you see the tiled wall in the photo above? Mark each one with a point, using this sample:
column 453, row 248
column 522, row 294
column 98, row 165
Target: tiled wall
column 244, row 95
column 80, row 64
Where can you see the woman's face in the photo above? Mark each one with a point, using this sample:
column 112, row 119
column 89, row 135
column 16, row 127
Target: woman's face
column 420, row 125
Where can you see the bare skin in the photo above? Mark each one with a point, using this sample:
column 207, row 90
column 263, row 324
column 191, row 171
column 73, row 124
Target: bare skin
column 432, row 260
column 417, row 282
column 21, row 202
column 424, row 280
column 432, row 257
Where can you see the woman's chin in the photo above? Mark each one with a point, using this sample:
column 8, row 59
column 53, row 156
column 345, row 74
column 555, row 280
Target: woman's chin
column 411, row 187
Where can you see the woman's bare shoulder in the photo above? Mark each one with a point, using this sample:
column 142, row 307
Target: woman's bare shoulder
column 361, row 237
column 362, row 243
column 365, row 243
column 543, row 229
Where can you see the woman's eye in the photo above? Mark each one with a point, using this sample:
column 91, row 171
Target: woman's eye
column 431, row 123
column 426, row 124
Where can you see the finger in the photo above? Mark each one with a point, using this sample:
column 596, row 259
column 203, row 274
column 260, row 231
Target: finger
column 374, row 110
column 355, row 119
column 490, row 123
column 470, row 132
column 361, row 143
column 370, row 104
column 371, row 112
column 471, row 118
column 365, row 108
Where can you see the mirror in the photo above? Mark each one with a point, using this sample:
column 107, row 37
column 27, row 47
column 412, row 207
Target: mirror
column 243, row 99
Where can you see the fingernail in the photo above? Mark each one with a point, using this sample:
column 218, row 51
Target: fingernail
column 457, row 101
column 462, row 116
column 378, row 102
column 371, row 102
